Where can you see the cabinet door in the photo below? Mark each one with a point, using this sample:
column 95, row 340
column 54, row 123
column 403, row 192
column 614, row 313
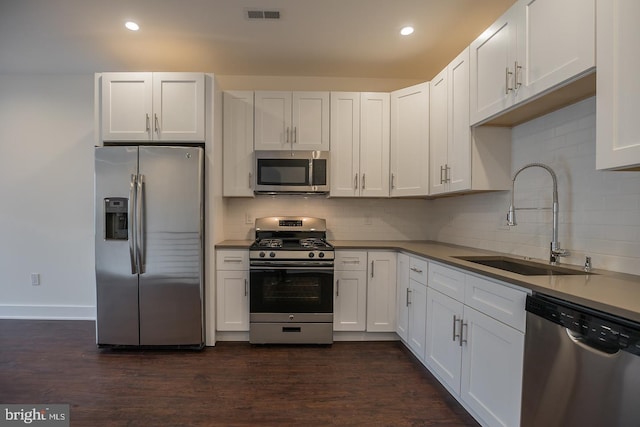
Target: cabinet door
column 381, row 292
column 350, row 301
column 310, row 121
column 492, row 369
column 237, row 144
column 178, row 107
column 345, row 144
column 273, row 120
column 417, row 318
column 410, row 141
column 438, row 131
column 459, row 131
column 374, row 144
column 443, row 349
column 618, row 86
column 232, row 300
column 492, row 59
column 127, row 102
column 402, row 283
column 556, row 41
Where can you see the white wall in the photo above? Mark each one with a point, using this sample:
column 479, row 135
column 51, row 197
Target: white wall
column 599, row 210
column 46, row 196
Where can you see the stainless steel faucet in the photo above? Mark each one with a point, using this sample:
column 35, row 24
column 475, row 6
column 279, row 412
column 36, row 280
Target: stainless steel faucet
column 555, row 251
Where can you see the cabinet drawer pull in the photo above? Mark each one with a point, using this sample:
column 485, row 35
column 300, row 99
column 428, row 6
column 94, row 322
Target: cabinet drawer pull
column 417, row 270
column 408, row 300
column 246, row 292
column 338, row 287
column 372, row 264
column 233, row 259
column 351, row 262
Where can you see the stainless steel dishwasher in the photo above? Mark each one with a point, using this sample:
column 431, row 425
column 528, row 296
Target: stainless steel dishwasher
column 581, row 366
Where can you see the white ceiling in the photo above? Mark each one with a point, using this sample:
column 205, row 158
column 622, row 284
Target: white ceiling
column 337, row 38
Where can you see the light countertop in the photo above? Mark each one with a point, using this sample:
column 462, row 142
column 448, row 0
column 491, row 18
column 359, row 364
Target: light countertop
column 608, row 291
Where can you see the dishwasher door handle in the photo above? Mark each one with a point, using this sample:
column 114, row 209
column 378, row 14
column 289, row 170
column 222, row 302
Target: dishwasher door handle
column 591, row 344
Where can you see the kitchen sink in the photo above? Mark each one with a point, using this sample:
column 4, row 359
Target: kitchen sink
column 521, row 266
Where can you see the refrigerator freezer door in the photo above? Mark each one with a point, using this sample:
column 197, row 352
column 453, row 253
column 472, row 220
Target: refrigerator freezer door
column 171, row 247
column 116, row 282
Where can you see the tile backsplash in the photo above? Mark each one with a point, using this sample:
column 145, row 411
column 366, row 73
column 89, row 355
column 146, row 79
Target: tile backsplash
column 599, row 210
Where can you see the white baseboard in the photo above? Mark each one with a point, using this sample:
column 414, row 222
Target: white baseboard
column 48, row 312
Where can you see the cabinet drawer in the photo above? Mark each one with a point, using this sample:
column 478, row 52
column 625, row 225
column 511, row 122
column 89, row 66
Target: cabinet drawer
column 497, row 300
column 418, row 269
column 447, row 280
column 232, row 260
column 350, row 260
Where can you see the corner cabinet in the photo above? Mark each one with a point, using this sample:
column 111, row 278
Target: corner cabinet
column 412, row 303
column 237, row 144
column 164, row 107
column 292, row 120
column 359, row 144
column 475, row 342
column 409, row 154
column 536, row 46
column 618, row 87
column 463, row 159
column 232, row 290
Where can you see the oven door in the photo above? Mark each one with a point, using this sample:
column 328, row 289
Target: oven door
column 277, row 293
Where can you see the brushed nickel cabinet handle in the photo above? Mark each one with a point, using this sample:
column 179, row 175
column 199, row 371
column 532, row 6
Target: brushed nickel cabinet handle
column 462, row 327
column 516, row 71
column 506, row 81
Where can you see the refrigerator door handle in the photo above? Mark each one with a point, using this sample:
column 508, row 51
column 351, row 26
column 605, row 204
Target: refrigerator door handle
column 140, row 225
column 130, row 225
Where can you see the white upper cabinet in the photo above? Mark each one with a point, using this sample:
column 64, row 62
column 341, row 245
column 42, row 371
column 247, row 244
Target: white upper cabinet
column 492, row 58
column 153, row 107
column 359, row 144
column 618, row 100
column 449, row 131
column 462, row 159
column 410, row 141
column 237, row 143
column 292, row 120
column 556, row 42
column 536, row 46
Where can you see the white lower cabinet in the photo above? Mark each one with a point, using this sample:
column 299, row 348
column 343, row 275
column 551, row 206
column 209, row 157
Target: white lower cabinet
column 475, row 355
column 412, row 303
column 350, row 291
column 381, row 291
column 232, row 290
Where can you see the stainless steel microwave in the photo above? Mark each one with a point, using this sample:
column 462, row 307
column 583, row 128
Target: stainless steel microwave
column 292, row 172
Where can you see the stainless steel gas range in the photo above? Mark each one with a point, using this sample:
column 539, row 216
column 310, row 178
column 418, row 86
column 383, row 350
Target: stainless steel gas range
column 291, row 282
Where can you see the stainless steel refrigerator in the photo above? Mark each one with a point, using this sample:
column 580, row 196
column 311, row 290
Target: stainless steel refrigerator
column 149, row 209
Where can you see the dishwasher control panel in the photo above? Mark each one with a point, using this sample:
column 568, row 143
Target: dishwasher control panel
column 604, row 331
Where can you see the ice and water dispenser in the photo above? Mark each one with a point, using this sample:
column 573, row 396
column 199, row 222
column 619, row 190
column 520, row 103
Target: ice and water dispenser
column 116, row 213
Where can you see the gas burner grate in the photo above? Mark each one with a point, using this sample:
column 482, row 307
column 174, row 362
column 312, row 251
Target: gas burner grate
column 270, row 243
column 312, row 243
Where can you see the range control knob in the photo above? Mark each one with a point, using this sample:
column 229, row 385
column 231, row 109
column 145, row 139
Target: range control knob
column 321, row 254
column 272, row 254
column 262, row 254
column 311, row 254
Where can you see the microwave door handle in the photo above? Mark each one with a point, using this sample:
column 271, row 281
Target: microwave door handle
column 310, row 172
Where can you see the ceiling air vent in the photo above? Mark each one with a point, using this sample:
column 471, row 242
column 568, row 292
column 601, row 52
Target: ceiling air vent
column 252, row 14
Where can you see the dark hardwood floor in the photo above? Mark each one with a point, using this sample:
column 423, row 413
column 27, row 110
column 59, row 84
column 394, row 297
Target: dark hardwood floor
column 232, row 384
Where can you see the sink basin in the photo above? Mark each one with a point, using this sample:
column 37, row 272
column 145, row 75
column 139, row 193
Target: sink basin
column 523, row 267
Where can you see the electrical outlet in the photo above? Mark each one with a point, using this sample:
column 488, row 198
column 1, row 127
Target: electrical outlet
column 248, row 218
column 35, row 279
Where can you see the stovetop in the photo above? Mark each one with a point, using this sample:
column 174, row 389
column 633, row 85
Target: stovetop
column 309, row 243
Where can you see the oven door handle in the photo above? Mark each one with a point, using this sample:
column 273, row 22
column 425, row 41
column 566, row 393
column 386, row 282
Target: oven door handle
column 298, row 267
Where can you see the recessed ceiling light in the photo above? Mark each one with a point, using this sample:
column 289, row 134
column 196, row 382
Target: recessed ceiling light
column 406, row 31
column 132, row 26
